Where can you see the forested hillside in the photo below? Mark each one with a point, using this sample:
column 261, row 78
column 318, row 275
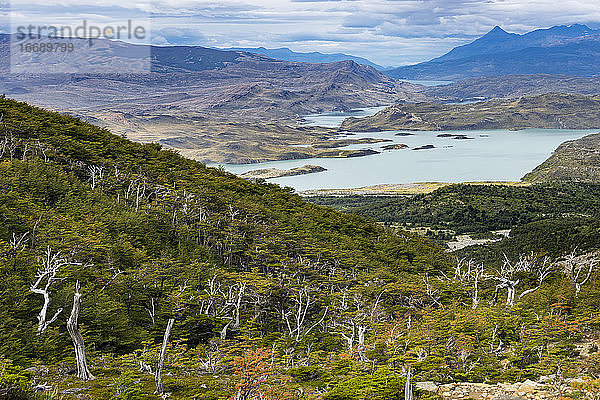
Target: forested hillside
column 106, row 244
column 551, row 218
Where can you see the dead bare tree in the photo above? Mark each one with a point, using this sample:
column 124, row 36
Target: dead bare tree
column 232, row 302
column 96, row 175
column 41, row 149
column 18, row 241
column 296, row 318
column 213, row 358
column 3, row 146
column 579, row 269
column 161, row 359
column 513, row 274
column 237, row 305
column 352, row 324
column 72, row 326
column 432, row 293
column 348, row 334
column 26, row 148
column 9, row 144
column 223, row 333
column 138, row 188
column 116, row 273
column 470, row 274
column 225, row 304
column 542, row 270
column 213, row 290
column 50, row 265
column 151, row 310
column 408, row 392
column 33, row 232
column 362, row 329
column 140, row 193
column 421, row 354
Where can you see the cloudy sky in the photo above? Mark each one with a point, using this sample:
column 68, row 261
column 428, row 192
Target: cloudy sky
column 388, row 32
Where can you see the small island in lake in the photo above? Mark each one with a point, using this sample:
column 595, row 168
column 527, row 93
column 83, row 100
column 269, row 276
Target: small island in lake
column 396, row 146
column 271, row 173
column 404, row 134
column 453, row 136
column 426, row 147
column 331, row 144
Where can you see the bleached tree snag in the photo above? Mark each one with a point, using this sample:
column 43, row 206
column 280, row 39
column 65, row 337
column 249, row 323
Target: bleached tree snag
column 96, row 175
column 3, row 146
column 470, row 274
column 362, row 329
column 512, row 275
column 579, row 269
column 50, row 265
column 433, row 294
column 72, row 326
column 297, row 318
column 238, row 305
column 145, row 367
column 408, row 392
column 151, row 310
column 18, row 241
column 224, row 330
column 348, row 333
column 161, row 358
column 542, row 270
column 299, row 313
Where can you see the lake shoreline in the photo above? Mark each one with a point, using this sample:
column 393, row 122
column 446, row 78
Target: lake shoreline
column 401, row 189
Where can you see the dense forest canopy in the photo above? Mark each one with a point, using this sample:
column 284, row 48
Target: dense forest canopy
column 550, row 217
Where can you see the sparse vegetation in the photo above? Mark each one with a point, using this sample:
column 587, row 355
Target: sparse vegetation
column 548, row 111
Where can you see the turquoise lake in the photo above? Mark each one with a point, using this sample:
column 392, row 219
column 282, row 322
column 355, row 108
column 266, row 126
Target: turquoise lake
column 488, row 155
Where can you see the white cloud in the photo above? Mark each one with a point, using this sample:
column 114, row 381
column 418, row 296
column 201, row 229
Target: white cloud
column 389, row 32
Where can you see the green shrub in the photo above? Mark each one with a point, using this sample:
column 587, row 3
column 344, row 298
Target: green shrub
column 382, row 385
column 128, row 387
column 312, row 374
column 15, row 383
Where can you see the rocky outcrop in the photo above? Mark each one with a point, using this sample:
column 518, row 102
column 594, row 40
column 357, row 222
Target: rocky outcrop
column 528, row 390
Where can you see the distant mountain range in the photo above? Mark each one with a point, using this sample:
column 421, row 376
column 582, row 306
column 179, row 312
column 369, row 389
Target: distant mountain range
column 286, row 54
column 111, row 56
column 563, row 50
column 116, row 56
column 213, row 105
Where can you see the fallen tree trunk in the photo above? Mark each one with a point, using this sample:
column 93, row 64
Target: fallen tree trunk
column 72, row 326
